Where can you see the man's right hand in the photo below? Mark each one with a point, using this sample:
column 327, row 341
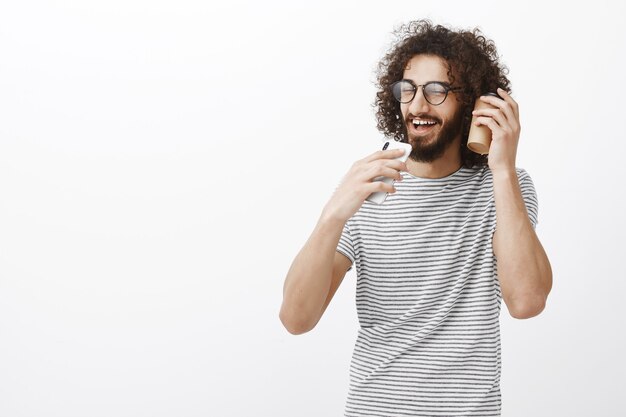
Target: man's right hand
column 357, row 184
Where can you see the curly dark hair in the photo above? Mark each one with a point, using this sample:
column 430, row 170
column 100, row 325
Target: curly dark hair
column 469, row 55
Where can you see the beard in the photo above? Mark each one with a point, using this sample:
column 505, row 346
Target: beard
column 426, row 149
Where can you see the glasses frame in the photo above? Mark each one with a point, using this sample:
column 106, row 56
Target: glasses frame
column 446, row 86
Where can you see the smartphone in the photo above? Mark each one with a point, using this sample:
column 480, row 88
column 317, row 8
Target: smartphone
column 379, row 196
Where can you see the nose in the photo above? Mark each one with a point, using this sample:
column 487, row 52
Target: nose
column 419, row 103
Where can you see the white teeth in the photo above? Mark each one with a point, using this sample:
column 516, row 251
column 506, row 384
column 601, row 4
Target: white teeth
column 422, row 122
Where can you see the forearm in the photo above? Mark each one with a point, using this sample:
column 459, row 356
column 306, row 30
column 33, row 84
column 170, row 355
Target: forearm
column 523, row 267
column 309, row 278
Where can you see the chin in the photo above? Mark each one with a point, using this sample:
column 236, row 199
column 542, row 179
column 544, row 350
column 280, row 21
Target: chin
column 426, row 138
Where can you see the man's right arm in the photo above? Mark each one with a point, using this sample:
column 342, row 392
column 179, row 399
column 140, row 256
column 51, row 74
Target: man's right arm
column 318, row 269
column 313, row 278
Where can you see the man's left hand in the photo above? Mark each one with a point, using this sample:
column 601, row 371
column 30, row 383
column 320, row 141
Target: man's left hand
column 505, row 130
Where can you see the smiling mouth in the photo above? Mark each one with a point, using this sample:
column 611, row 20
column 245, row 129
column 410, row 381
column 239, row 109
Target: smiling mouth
column 422, row 127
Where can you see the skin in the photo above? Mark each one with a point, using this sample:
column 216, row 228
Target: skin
column 524, row 270
column 421, row 69
column 318, row 269
column 523, row 267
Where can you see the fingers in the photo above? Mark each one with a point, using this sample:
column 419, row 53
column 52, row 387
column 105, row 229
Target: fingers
column 387, row 166
column 506, row 105
column 385, row 172
column 487, row 121
column 507, row 97
column 387, row 153
column 495, row 114
column 395, row 164
column 375, row 186
column 384, row 158
column 379, row 164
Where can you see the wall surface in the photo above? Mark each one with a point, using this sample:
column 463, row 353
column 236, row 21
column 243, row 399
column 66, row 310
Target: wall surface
column 162, row 163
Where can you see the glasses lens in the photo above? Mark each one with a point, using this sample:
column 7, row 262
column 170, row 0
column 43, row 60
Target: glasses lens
column 403, row 91
column 435, row 93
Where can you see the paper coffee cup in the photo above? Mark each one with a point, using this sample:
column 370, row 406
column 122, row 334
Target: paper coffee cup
column 479, row 138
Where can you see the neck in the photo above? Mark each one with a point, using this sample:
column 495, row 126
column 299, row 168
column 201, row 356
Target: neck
column 447, row 164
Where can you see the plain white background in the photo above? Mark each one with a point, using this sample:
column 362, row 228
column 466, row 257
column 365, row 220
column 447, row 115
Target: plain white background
column 162, row 163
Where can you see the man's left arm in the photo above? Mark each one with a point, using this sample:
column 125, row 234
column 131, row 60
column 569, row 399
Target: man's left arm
column 523, row 267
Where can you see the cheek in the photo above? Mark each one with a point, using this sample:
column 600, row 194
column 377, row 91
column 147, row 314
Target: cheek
column 447, row 113
column 404, row 111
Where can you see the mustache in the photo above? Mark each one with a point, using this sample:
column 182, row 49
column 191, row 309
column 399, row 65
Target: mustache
column 422, row 116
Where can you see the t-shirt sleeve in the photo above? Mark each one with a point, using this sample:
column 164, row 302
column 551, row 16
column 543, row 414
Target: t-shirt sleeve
column 345, row 245
column 529, row 195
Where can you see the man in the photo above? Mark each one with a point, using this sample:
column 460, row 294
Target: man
column 432, row 266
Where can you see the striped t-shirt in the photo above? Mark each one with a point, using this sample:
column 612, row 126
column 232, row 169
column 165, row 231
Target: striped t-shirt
column 428, row 298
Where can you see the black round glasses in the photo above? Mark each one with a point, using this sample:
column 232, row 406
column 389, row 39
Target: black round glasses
column 435, row 92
